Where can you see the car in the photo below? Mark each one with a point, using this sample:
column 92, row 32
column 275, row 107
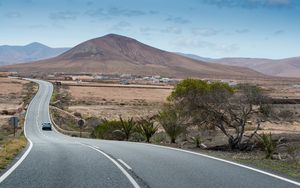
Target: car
column 47, row 126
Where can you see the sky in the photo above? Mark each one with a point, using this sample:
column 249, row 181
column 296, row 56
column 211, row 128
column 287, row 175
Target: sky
column 208, row 28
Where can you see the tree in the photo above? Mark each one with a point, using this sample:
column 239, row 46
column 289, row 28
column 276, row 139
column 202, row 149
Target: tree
column 217, row 104
column 147, row 127
column 172, row 122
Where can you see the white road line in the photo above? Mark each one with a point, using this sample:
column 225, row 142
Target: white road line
column 129, row 177
column 229, row 162
column 11, row 169
column 126, row 165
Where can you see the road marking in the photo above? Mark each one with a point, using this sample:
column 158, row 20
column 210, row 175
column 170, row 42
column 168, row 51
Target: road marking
column 125, row 164
column 229, row 162
column 11, row 169
column 129, row 177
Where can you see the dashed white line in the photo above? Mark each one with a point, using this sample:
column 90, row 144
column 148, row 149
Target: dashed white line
column 129, row 177
column 126, row 165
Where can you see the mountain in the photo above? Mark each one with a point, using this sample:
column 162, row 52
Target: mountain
column 289, row 67
column 31, row 52
column 116, row 54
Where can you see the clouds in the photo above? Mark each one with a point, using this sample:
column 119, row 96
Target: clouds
column 279, row 32
column 177, row 20
column 251, row 4
column 242, row 31
column 64, row 15
column 121, row 26
column 172, row 30
column 114, row 12
column 207, row 32
column 13, row 15
column 197, row 43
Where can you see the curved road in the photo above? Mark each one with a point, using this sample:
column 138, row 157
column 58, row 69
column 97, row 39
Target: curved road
column 56, row 160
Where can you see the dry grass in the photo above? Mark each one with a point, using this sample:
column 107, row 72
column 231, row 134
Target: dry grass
column 110, row 102
column 119, row 94
column 15, row 94
column 9, row 149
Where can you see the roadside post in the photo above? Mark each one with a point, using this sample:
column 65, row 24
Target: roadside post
column 14, row 122
column 80, row 124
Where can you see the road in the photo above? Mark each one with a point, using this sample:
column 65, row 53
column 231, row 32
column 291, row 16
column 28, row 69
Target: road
column 56, row 160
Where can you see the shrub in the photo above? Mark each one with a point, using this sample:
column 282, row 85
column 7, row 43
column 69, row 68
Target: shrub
column 171, row 121
column 286, row 115
column 147, row 128
column 126, row 127
column 78, row 114
column 268, row 144
column 107, row 129
column 196, row 140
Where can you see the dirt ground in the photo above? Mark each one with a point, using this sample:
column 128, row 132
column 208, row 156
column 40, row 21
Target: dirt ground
column 122, row 94
column 11, row 92
column 11, row 97
column 110, row 102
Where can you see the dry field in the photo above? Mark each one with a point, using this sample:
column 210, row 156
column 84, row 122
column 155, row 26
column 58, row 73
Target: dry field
column 11, row 97
column 14, row 94
column 110, row 102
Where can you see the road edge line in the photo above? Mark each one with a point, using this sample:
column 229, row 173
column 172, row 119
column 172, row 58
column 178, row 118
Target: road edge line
column 129, row 177
column 229, row 162
column 25, row 154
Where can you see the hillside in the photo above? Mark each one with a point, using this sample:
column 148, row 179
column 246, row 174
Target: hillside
column 289, row 67
column 31, row 52
column 119, row 54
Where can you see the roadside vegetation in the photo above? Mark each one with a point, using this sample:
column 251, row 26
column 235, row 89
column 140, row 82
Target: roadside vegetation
column 11, row 145
column 207, row 117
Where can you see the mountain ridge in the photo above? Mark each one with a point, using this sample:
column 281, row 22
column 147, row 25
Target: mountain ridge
column 117, row 54
column 13, row 54
column 287, row 67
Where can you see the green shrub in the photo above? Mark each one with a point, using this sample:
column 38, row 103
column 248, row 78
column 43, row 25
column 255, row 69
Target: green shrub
column 146, row 127
column 171, row 121
column 127, row 127
column 107, row 129
column 196, row 140
column 268, row 144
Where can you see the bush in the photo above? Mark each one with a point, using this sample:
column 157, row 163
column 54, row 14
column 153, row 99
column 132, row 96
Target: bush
column 171, row 121
column 107, row 129
column 286, row 115
column 78, row 114
column 196, row 140
column 127, row 127
column 146, row 128
column 268, row 144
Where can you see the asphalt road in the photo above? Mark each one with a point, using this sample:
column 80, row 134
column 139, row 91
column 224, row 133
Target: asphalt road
column 56, row 160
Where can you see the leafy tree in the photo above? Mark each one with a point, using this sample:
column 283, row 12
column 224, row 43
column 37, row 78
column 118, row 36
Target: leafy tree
column 218, row 105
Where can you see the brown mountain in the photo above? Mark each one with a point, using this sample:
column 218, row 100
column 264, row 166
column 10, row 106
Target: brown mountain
column 118, row 54
column 32, row 52
column 289, row 67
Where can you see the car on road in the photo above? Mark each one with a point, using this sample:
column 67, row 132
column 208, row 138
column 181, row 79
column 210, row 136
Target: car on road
column 47, row 126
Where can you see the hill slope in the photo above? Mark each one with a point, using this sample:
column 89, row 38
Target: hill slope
column 31, row 52
column 118, row 54
column 289, row 67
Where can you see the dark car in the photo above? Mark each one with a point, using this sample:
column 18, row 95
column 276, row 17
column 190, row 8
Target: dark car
column 47, row 126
